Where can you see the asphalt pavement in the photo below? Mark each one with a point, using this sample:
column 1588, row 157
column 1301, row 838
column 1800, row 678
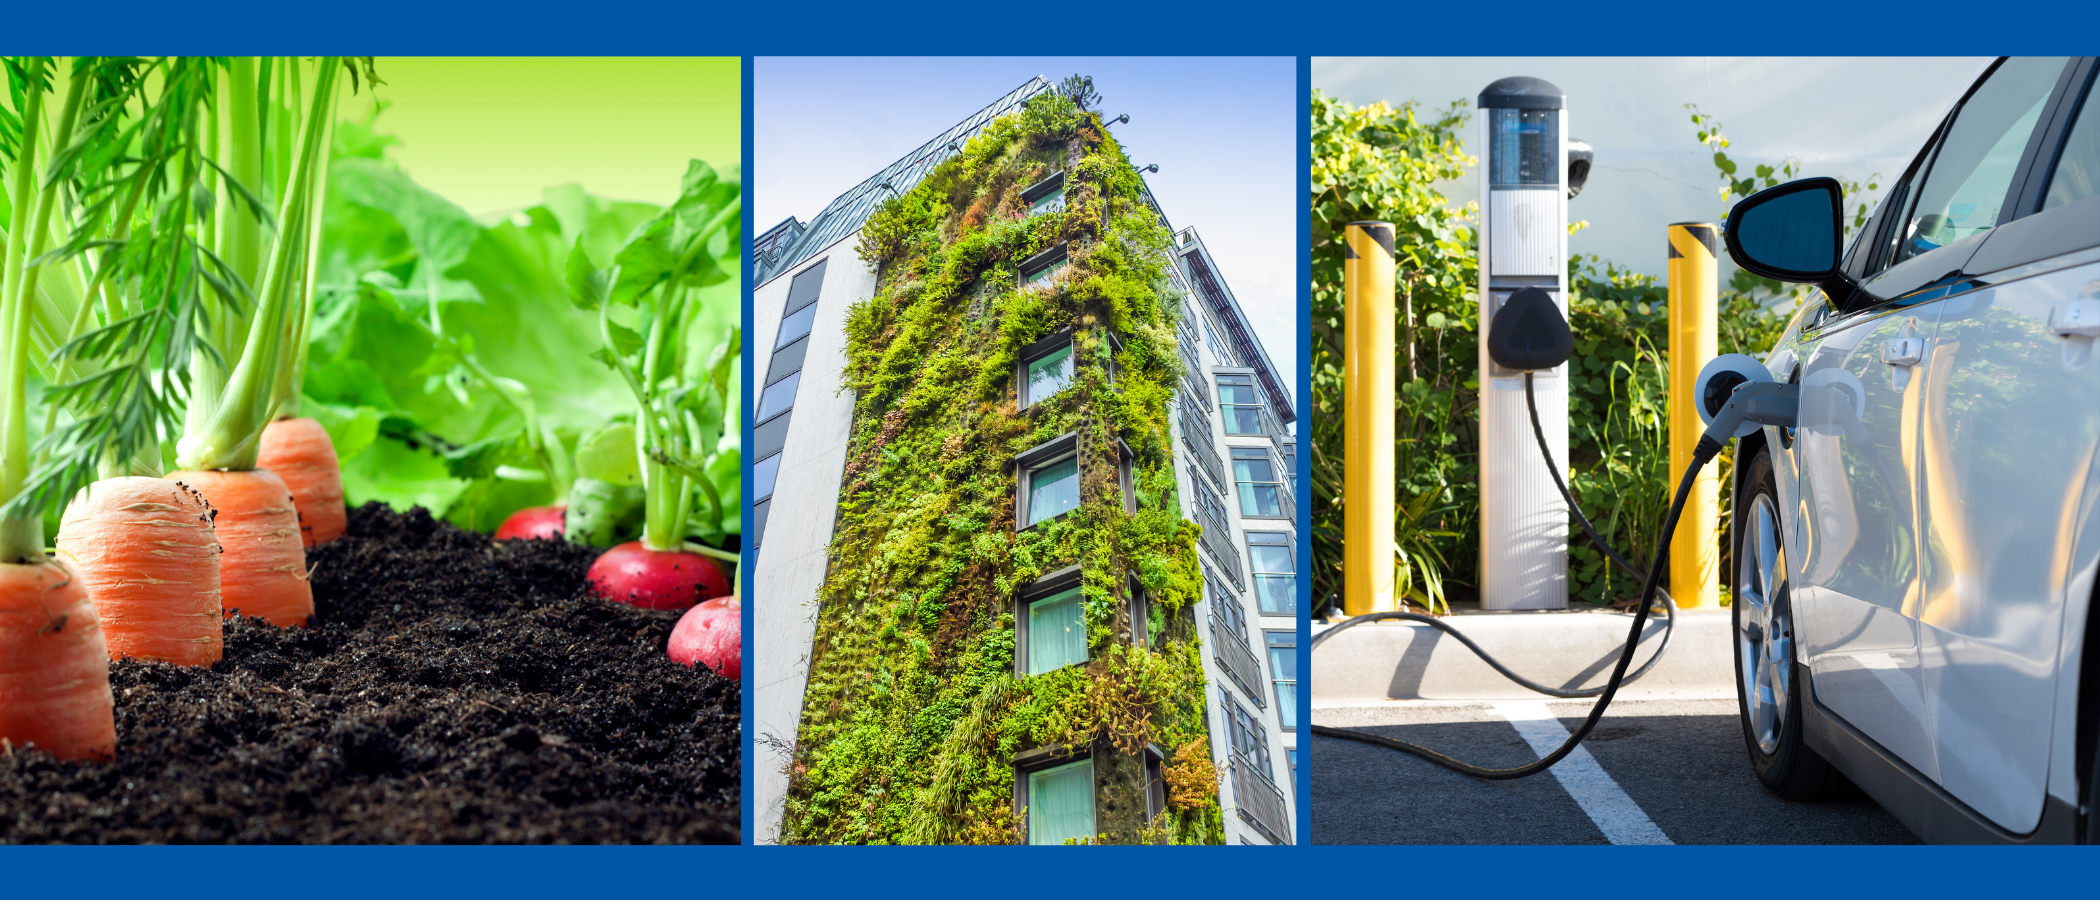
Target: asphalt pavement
column 1657, row 771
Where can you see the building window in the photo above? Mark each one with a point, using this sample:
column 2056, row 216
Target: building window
column 783, row 376
column 778, row 396
column 1249, row 740
column 1037, row 269
column 1053, row 489
column 1275, row 572
column 1060, row 802
column 1242, row 404
column 1126, row 476
column 1047, row 195
column 1046, row 368
column 1051, row 621
column 1283, row 671
column 1261, row 495
column 1155, row 783
column 1140, row 615
column 1225, row 604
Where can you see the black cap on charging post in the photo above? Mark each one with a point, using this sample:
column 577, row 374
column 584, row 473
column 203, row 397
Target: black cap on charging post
column 1529, row 333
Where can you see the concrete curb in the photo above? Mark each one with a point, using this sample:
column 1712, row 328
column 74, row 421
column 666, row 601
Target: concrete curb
column 1384, row 661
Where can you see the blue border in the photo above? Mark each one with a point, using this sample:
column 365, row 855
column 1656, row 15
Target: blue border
column 822, row 27
column 750, row 399
column 1306, row 411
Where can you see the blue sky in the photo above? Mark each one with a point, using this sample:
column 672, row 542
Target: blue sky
column 1222, row 130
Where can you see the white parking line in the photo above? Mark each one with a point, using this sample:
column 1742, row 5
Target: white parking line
column 1621, row 820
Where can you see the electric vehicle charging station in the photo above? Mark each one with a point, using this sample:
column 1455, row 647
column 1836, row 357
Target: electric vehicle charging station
column 1523, row 244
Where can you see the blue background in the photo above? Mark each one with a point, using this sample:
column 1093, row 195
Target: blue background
column 388, row 27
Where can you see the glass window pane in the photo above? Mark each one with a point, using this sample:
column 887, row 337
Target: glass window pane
column 1243, row 420
column 1237, row 393
column 1056, row 632
column 1278, row 594
column 764, row 472
column 1053, row 489
column 778, row 397
column 1271, row 558
column 1260, row 500
column 1253, row 469
column 1283, row 670
column 1061, row 803
column 2078, row 170
column 1051, row 201
column 1976, row 161
column 1049, row 375
column 1043, row 274
column 794, row 327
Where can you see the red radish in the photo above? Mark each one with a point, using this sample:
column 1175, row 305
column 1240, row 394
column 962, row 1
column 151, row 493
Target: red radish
column 711, row 634
column 656, row 579
column 534, row 522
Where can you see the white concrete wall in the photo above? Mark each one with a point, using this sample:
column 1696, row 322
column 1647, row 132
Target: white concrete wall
column 792, row 557
column 1843, row 117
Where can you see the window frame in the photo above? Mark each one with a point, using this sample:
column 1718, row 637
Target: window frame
column 1256, row 575
column 1041, row 456
column 1055, row 182
column 1042, row 759
column 1048, row 260
column 1050, row 585
column 1126, row 476
column 1062, row 337
column 1223, row 601
column 1283, row 502
column 1260, row 404
column 1140, row 606
column 1155, row 783
column 1286, row 712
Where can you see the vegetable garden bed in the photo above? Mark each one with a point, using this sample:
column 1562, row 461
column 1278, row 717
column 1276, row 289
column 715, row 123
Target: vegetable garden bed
column 451, row 689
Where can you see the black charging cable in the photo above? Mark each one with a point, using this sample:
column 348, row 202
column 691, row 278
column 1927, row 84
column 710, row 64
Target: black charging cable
column 1669, row 606
column 1703, row 453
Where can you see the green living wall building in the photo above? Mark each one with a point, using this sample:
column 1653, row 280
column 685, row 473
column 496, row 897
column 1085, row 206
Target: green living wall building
column 1024, row 558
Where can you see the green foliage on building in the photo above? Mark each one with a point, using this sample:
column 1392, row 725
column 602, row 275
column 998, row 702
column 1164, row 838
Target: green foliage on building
column 914, row 713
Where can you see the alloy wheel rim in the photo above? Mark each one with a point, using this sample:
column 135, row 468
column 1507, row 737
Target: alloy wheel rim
column 1764, row 629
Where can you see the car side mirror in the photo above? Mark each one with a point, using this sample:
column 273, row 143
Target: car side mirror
column 1795, row 233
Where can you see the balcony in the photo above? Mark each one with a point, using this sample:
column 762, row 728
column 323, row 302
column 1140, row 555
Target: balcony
column 1232, row 654
column 1259, row 802
column 1195, row 432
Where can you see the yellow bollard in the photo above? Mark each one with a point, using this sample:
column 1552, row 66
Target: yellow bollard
column 1694, row 330
column 1367, row 468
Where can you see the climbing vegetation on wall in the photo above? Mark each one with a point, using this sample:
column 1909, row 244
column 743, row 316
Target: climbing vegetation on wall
column 914, row 712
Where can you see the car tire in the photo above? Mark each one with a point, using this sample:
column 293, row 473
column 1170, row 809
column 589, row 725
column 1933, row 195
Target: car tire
column 1768, row 690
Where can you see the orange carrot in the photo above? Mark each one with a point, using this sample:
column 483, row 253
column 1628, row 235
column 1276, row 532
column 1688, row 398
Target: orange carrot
column 262, row 565
column 149, row 558
column 299, row 452
column 54, row 669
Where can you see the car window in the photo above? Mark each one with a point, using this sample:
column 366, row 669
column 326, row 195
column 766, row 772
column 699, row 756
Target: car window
column 1975, row 162
column 2078, row 169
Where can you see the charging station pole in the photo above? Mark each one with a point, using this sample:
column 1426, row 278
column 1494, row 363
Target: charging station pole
column 1694, row 340
column 1523, row 244
column 1367, row 439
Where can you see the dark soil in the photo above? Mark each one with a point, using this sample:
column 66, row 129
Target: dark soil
column 451, row 689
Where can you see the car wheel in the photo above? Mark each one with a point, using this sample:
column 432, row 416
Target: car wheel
column 1766, row 689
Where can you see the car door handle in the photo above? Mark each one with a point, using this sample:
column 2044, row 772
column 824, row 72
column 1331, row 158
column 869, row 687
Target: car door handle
column 1903, row 351
column 2077, row 318
column 2077, row 322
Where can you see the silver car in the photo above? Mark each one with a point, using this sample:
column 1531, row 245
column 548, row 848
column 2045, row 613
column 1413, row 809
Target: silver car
column 1914, row 562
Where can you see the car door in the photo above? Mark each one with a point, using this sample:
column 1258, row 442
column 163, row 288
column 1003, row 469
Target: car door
column 1857, row 574
column 2006, row 440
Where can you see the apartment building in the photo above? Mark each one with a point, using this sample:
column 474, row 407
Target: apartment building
column 830, row 494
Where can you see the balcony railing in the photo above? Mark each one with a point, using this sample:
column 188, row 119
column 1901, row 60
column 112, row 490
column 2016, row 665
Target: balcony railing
column 1217, row 535
column 1195, row 432
column 1259, row 801
column 1237, row 660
